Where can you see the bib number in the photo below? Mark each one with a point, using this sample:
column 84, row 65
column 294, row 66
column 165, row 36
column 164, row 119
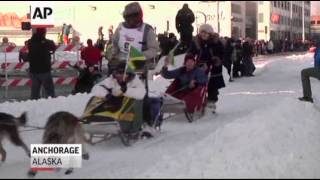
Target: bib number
column 126, row 46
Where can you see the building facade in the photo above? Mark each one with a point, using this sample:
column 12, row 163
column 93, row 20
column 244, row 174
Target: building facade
column 315, row 27
column 284, row 20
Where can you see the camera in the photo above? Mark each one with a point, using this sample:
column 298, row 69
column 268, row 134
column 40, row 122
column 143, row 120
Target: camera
column 25, row 26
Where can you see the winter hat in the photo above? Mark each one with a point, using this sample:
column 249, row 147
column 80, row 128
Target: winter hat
column 41, row 31
column 189, row 57
column 206, row 28
column 171, row 35
column 133, row 9
column 121, row 68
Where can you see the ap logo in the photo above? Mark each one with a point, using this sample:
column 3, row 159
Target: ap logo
column 42, row 14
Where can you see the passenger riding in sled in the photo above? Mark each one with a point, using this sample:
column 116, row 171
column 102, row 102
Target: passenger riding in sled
column 189, row 85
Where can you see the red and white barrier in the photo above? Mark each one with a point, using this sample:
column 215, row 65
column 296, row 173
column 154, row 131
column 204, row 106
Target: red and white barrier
column 69, row 47
column 7, row 67
column 27, row 82
column 11, row 48
column 25, row 65
column 61, row 48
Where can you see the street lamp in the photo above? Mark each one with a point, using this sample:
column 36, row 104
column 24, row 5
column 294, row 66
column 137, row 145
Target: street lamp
column 303, row 30
column 232, row 33
column 218, row 16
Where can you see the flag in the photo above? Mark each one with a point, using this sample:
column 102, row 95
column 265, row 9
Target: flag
column 136, row 59
column 116, row 108
column 171, row 54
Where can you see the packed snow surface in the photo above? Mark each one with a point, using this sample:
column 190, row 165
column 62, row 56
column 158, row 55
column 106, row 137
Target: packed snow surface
column 260, row 130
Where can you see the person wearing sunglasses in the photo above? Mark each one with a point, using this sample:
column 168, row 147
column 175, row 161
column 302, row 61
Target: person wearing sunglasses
column 133, row 32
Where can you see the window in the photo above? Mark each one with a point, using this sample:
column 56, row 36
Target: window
column 274, row 3
column 235, row 8
column 289, row 21
column 318, row 22
column 260, row 17
column 282, row 5
column 285, row 5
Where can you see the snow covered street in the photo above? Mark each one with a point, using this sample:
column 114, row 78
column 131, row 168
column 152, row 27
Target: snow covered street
column 260, row 130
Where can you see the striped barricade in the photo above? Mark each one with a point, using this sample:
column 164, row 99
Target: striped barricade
column 25, row 65
column 61, row 48
column 18, row 82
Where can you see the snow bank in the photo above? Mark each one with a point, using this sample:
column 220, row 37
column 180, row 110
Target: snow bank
column 281, row 141
column 300, row 57
column 39, row 110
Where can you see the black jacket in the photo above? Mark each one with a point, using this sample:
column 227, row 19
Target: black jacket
column 205, row 53
column 228, row 50
column 184, row 20
column 247, row 50
column 40, row 50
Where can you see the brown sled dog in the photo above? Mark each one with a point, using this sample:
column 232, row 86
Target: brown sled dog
column 9, row 129
column 64, row 128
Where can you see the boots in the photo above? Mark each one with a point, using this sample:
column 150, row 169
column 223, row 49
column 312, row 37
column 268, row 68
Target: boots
column 306, row 99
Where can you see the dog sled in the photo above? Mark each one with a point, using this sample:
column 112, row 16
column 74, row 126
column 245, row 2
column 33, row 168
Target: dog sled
column 126, row 118
column 105, row 118
column 102, row 123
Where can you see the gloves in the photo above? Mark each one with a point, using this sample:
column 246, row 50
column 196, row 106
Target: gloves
column 192, row 84
column 109, row 95
column 123, row 86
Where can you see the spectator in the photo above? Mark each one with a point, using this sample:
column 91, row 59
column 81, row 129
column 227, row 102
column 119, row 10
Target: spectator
column 227, row 60
column 110, row 33
column 163, row 44
column 310, row 72
column 23, row 53
column 208, row 49
column 59, row 39
column 184, row 19
column 5, row 43
column 247, row 52
column 100, row 44
column 39, row 57
column 91, row 55
column 237, row 63
column 60, row 34
column 270, row 47
column 66, row 33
